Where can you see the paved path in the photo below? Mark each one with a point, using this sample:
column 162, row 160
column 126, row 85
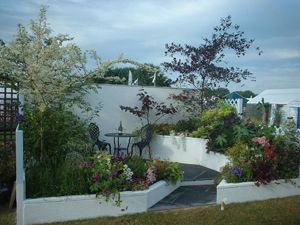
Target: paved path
column 197, row 173
column 192, row 194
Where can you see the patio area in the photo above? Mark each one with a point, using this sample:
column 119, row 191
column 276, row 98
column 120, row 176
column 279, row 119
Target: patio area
column 197, row 189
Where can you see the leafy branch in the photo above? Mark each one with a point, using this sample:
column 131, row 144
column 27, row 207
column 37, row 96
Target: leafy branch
column 149, row 105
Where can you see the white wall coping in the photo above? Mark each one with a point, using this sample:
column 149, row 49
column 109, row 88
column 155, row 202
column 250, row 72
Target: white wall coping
column 224, row 185
column 181, row 136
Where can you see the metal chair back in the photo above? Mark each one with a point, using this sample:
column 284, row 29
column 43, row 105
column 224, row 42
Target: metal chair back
column 94, row 131
column 146, row 136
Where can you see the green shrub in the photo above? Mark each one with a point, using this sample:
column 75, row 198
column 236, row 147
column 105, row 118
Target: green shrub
column 68, row 177
column 168, row 171
column 160, row 168
column 53, row 133
column 218, row 126
column 163, row 129
column 138, row 166
column 7, row 163
column 287, row 145
column 238, row 154
column 173, row 173
column 187, row 125
column 200, row 133
column 49, row 137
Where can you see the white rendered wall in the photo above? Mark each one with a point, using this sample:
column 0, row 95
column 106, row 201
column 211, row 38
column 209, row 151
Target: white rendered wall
column 112, row 96
column 53, row 209
column 20, row 181
column 294, row 113
column 186, row 150
column 248, row 191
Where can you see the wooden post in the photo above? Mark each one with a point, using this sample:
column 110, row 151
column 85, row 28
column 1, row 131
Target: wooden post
column 12, row 196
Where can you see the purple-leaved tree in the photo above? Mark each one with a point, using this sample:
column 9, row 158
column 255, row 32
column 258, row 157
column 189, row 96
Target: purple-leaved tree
column 149, row 106
column 204, row 67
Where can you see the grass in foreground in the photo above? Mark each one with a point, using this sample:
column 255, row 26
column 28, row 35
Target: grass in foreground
column 7, row 216
column 271, row 212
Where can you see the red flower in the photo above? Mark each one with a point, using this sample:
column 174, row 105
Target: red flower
column 269, row 152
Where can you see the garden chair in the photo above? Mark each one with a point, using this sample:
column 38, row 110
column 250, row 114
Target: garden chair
column 146, row 136
column 94, row 134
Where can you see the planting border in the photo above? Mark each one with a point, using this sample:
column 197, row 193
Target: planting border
column 54, row 209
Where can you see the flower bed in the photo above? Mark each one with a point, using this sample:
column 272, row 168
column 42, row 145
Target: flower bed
column 53, row 209
column 186, row 150
column 119, row 186
column 266, row 157
column 249, row 191
column 263, row 165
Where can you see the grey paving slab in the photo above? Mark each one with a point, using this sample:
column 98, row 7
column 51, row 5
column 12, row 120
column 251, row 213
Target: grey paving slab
column 191, row 195
column 188, row 196
column 197, row 172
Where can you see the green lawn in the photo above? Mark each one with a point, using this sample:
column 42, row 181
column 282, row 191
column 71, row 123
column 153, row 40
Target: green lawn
column 279, row 211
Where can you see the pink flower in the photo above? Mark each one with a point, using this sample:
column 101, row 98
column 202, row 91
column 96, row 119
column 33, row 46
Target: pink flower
column 261, row 140
column 151, row 176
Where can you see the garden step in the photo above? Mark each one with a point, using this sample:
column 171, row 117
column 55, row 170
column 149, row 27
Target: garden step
column 188, row 196
column 197, row 172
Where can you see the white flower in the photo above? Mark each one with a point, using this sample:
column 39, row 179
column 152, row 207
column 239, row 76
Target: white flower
column 127, row 172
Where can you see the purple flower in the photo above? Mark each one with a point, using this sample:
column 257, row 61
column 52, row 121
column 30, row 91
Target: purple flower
column 19, row 117
column 95, row 176
column 113, row 173
column 236, row 171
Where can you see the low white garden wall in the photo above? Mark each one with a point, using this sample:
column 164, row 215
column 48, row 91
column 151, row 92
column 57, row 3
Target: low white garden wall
column 185, row 150
column 53, row 209
column 248, row 191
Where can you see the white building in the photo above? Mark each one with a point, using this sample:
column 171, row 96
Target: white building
column 288, row 100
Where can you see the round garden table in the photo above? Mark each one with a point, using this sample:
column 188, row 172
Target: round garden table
column 117, row 145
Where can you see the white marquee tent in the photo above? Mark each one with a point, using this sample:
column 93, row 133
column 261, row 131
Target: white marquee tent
column 287, row 99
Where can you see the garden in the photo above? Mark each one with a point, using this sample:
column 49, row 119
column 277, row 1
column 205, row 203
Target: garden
column 59, row 159
column 257, row 152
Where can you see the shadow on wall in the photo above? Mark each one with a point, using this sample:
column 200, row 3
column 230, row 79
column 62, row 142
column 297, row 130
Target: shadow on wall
column 186, row 150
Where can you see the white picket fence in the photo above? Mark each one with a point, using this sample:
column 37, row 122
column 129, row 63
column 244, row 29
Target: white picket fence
column 237, row 103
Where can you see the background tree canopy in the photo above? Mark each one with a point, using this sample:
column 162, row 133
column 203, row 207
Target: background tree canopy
column 144, row 76
column 246, row 94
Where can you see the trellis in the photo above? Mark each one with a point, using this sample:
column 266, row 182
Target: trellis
column 237, row 103
column 9, row 99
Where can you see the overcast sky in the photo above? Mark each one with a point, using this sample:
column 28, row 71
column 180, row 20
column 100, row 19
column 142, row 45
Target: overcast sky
column 140, row 30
